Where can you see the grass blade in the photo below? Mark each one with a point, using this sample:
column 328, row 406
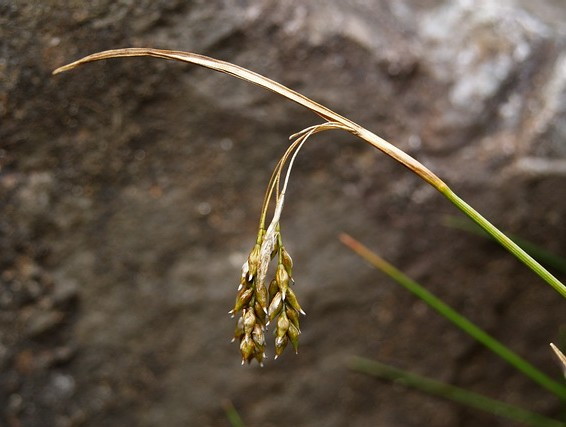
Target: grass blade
column 232, row 414
column 453, row 393
column 456, row 318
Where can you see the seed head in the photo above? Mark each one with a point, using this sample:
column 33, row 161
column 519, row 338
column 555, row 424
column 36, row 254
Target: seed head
column 261, row 304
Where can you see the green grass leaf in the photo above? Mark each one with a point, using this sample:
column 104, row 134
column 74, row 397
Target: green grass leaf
column 453, row 393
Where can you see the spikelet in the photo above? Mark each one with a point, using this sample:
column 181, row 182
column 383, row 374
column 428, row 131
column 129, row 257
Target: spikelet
column 288, row 328
column 252, row 300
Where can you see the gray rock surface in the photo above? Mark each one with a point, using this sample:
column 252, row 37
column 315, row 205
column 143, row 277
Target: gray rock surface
column 130, row 192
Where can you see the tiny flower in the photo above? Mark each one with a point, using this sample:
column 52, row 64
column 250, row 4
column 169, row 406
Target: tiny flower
column 293, row 334
column 293, row 316
column 282, row 279
column 249, row 321
column 247, row 348
column 282, row 324
column 261, row 296
column 242, row 299
column 287, row 260
column 258, row 336
column 280, row 344
column 292, row 300
column 275, row 306
column 239, row 331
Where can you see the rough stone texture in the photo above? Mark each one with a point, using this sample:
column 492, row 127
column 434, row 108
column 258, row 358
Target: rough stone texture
column 130, row 191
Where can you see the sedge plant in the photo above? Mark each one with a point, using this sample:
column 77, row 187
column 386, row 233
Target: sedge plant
column 258, row 302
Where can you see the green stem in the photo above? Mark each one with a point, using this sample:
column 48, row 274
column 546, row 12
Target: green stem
column 456, row 318
column 505, row 241
column 453, row 393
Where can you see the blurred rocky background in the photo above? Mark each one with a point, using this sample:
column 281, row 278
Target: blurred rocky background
column 130, row 192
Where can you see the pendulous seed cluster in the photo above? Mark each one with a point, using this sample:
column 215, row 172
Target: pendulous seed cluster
column 260, row 305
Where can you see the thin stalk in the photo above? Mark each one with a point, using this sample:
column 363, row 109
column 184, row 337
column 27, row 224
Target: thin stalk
column 269, row 192
column 275, row 179
column 299, row 139
column 453, row 393
column 331, row 116
column 456, row 318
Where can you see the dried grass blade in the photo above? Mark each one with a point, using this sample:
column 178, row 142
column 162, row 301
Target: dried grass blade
column 217, row 65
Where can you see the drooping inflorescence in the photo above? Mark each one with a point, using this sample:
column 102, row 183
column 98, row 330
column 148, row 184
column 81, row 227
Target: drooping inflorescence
column 259, row 303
